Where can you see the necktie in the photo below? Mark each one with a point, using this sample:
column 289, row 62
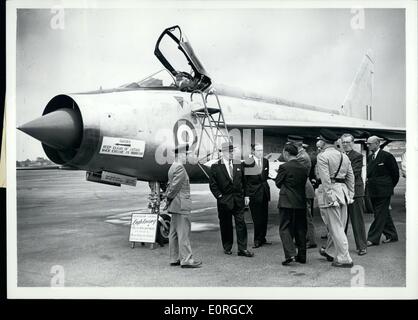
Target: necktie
column 374, row 156
column 231, row 168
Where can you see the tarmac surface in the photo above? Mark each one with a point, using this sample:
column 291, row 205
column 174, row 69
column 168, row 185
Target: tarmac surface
column 83, row 227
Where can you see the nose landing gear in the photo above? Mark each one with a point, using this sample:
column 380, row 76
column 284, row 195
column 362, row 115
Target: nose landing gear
column 156, row 197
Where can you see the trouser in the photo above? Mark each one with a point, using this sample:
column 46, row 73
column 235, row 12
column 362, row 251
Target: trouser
column 225, row 223
column 383, row 222
column 335, row 218
column 355, row 214
column 292, row 225
column 310, row 234
column 179, row 239
column 259, row 213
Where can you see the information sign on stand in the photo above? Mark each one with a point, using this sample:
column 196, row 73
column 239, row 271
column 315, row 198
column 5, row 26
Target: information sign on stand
column 143, row 228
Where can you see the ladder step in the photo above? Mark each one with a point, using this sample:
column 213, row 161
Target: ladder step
column 210, row 110
column 199, row 114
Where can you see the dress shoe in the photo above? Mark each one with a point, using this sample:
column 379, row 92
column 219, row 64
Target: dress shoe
column 194, row 264
column 342, row 265
column 246, row 253
column 362, row 252
column 371, row 244
column 311, row 246
column 324, row 236
column 387, row 240
column 326, row 255
column 228, row 252
column 300, row 259
column 288, row 261
column 173, row 264
column 257, row 245
column 265, row 242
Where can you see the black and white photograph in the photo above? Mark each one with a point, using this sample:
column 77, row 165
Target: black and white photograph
column 202, row 149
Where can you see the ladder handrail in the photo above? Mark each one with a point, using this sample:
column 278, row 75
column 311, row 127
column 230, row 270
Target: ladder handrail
column 216, row 130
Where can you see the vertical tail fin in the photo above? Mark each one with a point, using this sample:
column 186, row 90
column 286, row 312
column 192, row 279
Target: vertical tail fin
column 359, row 99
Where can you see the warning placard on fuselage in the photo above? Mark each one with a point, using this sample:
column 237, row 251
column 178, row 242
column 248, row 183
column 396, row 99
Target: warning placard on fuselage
column 123, row 147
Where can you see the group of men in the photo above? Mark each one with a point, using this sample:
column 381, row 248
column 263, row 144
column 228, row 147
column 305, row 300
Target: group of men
column 339, row 191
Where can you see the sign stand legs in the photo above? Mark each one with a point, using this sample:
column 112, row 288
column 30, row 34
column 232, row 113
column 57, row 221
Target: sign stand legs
column 142, row 244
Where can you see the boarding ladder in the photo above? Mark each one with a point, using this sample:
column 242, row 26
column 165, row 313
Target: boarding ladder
column 213, row 126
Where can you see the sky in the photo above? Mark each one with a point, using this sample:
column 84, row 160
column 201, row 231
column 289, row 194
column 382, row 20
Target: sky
column 306, row 55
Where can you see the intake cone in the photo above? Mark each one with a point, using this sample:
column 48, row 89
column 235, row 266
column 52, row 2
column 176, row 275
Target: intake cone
column 60, row 129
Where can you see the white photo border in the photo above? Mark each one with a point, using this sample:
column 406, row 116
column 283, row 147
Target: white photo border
column 408, row 292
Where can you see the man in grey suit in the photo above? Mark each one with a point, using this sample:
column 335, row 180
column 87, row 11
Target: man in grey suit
column 334, row 194
column 179, row 205
column 356, row 209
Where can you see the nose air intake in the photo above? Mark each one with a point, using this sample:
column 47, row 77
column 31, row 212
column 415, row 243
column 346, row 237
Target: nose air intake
column 60, row 129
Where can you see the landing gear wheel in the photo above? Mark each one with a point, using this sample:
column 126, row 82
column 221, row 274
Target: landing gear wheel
column 163, row 231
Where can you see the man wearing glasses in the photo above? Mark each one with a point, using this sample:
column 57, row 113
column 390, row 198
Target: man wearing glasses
column 382, row 177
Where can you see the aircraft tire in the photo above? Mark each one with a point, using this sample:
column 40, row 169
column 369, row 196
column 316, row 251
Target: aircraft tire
column 162, row 232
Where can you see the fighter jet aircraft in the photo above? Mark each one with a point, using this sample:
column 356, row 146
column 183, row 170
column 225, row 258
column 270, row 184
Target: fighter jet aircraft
column 125, row 134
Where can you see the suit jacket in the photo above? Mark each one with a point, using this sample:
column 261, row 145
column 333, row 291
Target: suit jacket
column 356, row 160
column 228, row 193
column 256, row 178
column 291, row 179
column 382, row 175
column 305, row 160
column 178, row 190
column 328, row 192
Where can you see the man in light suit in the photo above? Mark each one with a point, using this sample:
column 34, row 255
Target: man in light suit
column 256, row 174
column 305, row 160
column 334, row 194
column 179, row 205
column 356, row 209
column 382, row 177
column 228, row 185
column 291, row 180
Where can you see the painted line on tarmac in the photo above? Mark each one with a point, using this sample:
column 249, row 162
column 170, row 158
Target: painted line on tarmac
column 124, row 219
column 200, row 227
column 201, row 192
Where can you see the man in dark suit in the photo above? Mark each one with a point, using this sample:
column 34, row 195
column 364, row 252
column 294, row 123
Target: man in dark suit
column 356, row 209
column 228, row 185
column 382, row 177
column 305, row 160
column 256, row 174
column 291, row 179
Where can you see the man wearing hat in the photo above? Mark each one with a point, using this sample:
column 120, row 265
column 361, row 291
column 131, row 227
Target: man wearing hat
column 334, row 194
column 179, row 205
column 305, row 160
column 382, row 177
column 227, row 184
